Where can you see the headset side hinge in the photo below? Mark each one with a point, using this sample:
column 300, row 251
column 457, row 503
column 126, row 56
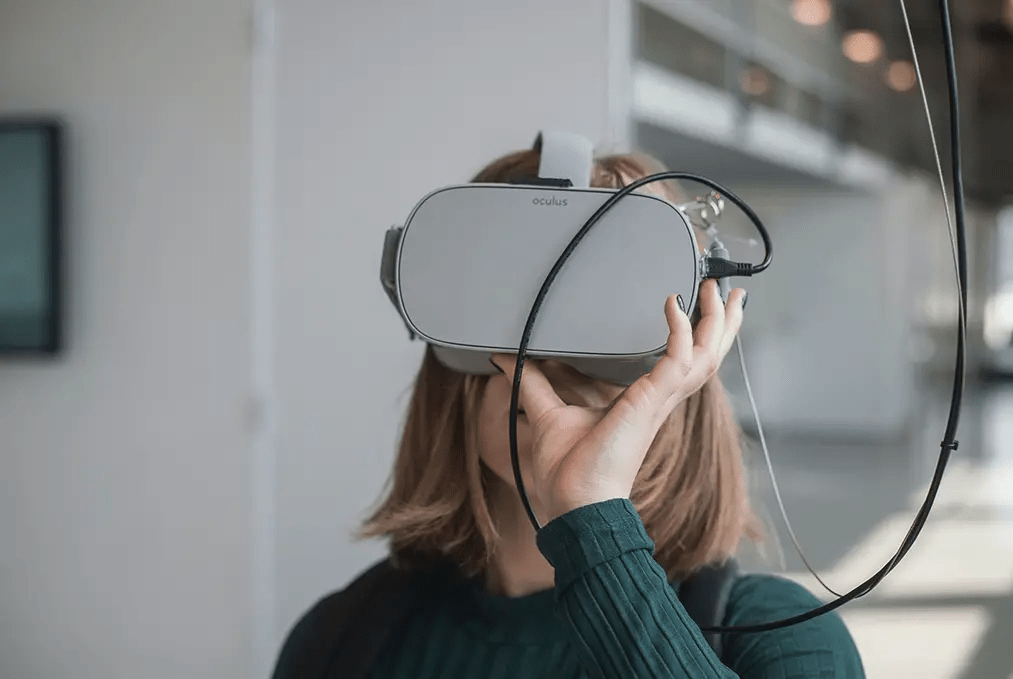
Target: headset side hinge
column 388, row 275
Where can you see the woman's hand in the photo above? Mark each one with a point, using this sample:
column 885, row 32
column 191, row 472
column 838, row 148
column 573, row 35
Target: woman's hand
column 585, row 455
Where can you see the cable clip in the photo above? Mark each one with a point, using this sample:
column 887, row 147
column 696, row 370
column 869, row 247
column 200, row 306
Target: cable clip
column 951, row 446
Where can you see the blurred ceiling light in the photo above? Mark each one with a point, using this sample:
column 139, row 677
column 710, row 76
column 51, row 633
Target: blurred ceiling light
column 755, row 81
column 863, row 47
column 811, row 12
column 901, row 76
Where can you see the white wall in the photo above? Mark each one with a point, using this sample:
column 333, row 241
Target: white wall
column 859, row 303
column 829, row 328
column 378, row 103
column 124, row 468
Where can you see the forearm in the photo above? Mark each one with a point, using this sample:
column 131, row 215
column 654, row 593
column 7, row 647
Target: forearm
column 622, row 614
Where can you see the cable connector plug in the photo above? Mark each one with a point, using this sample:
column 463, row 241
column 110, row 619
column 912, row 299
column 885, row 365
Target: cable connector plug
column 716, row 267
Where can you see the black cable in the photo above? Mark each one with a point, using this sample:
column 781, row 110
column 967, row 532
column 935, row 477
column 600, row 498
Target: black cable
column 958, row 201
column 946, row 446
column 715, row 268
column 948, row 443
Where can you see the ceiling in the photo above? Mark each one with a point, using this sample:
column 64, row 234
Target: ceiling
column 847, row 101
column 983, row 53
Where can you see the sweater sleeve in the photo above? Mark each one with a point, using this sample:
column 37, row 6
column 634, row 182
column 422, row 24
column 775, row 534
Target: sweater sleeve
column 624, row 619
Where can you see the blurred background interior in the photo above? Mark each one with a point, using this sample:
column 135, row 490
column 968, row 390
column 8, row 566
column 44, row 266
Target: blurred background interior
column 178, row 483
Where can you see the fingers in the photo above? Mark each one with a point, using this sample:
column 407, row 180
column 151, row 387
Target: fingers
column 680, row 333
column 536, row 393
column 692, row 357
column 710, row 330
column 669, row 374
column 718, row 327
column 733, row 320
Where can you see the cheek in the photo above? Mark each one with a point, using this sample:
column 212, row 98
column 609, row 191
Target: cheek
column 494, row 436
column 494, row 451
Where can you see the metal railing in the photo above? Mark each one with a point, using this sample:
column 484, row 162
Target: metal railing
column 755, row 51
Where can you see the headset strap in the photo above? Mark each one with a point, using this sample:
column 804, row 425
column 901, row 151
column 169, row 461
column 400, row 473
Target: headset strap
column 705, row 596
column 565, row 155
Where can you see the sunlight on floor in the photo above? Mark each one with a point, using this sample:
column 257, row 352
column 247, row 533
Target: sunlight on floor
column 926, row 620
column 916, row 643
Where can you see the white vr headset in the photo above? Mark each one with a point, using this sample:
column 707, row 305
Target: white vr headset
column 467, row 265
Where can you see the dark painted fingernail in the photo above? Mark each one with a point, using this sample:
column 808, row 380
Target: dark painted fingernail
column 745, row 298
column 682, row 305
column 501, row 371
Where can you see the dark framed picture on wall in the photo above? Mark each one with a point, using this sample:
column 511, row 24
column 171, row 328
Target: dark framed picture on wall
column 31, row 234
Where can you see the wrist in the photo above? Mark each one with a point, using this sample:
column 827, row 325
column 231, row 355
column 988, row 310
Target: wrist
column 583, row 539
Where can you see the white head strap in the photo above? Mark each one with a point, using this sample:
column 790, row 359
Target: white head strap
column 565, row 155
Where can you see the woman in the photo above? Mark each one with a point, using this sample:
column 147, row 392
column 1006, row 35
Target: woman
column 636, row 489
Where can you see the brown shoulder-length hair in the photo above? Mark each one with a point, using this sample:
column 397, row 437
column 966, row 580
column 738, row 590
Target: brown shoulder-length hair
column 690, row 492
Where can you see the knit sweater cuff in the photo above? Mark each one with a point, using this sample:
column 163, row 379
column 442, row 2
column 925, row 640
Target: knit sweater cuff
column 581, row 540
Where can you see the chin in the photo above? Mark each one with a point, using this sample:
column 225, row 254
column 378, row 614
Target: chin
column 501, row 468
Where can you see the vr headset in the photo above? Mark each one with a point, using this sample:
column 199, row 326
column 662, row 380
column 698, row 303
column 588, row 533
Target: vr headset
column 466, row 266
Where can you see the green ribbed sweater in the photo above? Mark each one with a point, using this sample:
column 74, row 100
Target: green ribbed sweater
column 612, row 614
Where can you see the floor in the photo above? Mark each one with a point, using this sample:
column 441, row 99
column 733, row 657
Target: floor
column 946, row 610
